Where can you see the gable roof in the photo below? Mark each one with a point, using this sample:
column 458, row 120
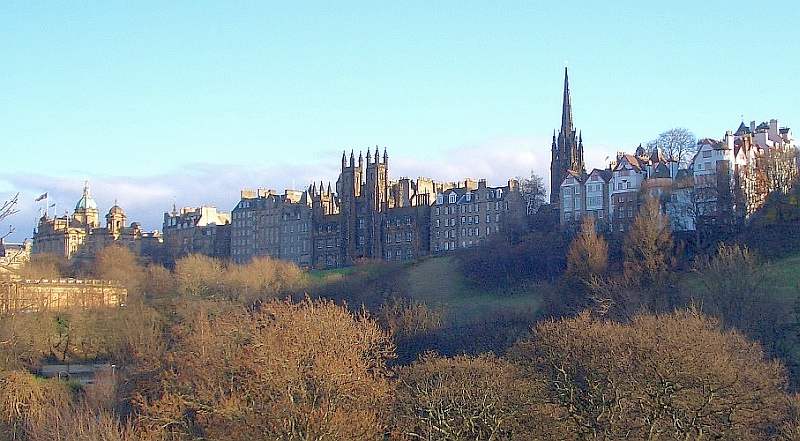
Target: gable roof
column 604, row 174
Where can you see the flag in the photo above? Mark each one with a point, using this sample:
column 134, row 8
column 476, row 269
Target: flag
column 42, row 196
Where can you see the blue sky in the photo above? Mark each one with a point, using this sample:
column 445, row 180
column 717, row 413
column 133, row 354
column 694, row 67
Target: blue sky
column 188, row 102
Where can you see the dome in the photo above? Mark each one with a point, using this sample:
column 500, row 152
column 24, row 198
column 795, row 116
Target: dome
column 86, row 202
column 116, row 210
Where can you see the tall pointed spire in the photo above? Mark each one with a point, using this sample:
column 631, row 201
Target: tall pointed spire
column 566, row 110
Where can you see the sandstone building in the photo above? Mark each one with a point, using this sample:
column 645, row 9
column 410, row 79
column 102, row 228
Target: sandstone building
column 366, row 215
column 21, row 295
column 81, row 236
column 466, row 215
column 201, row 230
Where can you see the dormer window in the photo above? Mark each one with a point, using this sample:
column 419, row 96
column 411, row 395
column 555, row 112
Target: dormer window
column 468, row 197
column 452, row 198
column 499, row 193
column 439, row 199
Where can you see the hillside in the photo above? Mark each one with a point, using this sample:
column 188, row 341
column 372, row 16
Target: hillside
column 440, row 282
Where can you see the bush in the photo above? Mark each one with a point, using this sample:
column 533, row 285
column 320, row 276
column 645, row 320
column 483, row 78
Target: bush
column 282, row 371
column 500, row 263
column 475, row 398
column 674, row 376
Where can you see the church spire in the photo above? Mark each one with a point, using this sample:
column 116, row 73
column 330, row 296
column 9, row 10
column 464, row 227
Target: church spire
column 566, row 111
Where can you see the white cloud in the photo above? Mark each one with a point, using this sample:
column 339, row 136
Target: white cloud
column 145, row 199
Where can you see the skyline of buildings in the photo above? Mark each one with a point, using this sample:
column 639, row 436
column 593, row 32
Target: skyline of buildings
column 368, row 214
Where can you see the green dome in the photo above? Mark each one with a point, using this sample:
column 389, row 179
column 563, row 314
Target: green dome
column 86, row 202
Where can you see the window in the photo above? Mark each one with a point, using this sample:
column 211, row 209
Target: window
column 463, row 220
column 452, row 198
column 578, row 190
column 468, row 197
column 707, row 154
column 437, row 223
column 439, row 201
column 437, row 211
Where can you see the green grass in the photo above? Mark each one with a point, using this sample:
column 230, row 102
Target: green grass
column 438, row 282
column 784, row 277
column 329, row 275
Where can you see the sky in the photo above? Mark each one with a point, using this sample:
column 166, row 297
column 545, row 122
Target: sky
column 188, row 102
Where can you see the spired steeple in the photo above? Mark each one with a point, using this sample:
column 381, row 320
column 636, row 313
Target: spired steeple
column 566, row 109
column 567, row 148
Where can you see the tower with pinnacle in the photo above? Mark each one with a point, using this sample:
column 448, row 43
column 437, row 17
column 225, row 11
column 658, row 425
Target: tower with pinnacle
column 567, row 147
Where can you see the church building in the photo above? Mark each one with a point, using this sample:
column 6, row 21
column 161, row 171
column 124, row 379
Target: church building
column 567, row 148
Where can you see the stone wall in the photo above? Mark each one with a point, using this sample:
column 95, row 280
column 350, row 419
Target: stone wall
column 21, row 295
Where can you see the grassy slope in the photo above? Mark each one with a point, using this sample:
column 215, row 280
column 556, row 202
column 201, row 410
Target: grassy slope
column 439, row 282
column 785, row 276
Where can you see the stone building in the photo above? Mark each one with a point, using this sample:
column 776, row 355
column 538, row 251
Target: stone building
column 21, row 295
column 81, row 236
column 368, row 216
column 199, row 230
column 723, row 185
column 265, row 223
column 466, row 215
column 586, row 195
column 14, row 255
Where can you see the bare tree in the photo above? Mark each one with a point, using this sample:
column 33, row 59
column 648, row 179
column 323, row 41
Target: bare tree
column 533, row 192
column 678, row 144
column 648, row 245
column 588, row 253
column 780, row 166
column 7, row 209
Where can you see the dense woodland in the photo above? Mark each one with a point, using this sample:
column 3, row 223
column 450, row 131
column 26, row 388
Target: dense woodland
column 643, row 336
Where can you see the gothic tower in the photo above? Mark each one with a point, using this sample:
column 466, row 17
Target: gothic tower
column 567, row 147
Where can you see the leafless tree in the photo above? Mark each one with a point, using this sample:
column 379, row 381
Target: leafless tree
column 8, row 208
column 678, row 144
column 533, row 192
